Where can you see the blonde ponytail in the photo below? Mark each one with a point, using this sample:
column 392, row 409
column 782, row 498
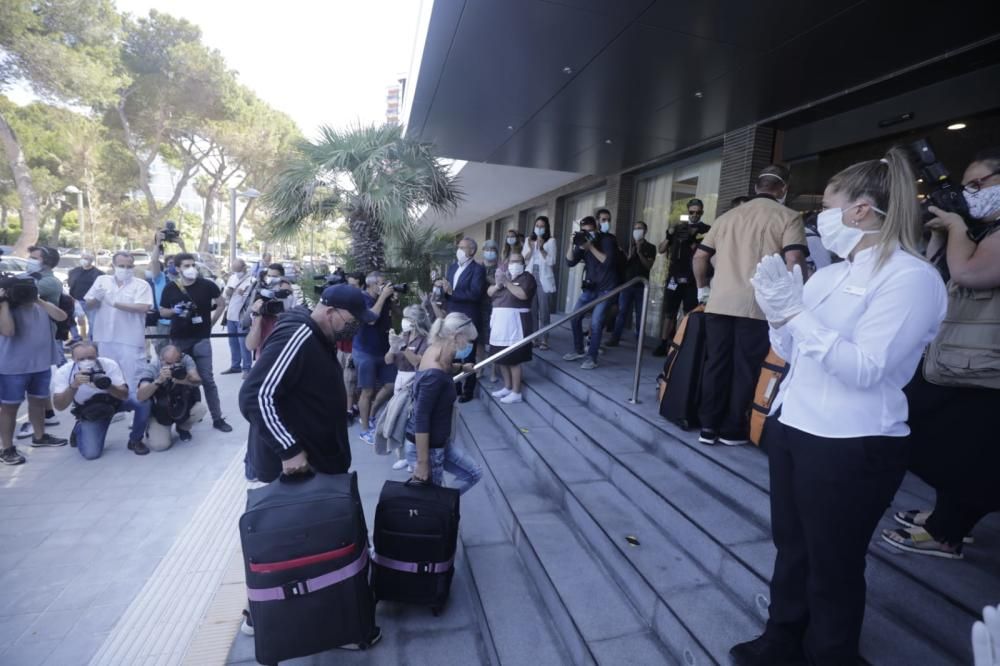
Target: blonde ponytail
column 890, row 184
column 449, row 327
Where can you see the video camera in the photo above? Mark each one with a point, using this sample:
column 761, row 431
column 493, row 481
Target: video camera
column 941, row 191
column 18, row 289
column 273, row 304
column 169, row 232
column 324, row 281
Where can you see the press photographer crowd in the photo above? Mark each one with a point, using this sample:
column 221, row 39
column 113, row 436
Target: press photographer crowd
column 852, row 347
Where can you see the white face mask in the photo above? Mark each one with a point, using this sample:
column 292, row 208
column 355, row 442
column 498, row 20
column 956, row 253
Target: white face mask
column 461, row 255
column 836, row 236
column 86, row 365
column 540, row 231
column 86, row 263
column 984, row 203
column 190, row 273
column 638, row 234
column 515, row 269
column 34, row 265
column 605, row 227
column 406, row 325
column 123, row 274
column 511, row 240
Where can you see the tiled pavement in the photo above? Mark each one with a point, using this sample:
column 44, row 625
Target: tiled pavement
column 80, row 539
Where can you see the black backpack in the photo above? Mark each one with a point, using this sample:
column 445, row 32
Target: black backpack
column 68, row 305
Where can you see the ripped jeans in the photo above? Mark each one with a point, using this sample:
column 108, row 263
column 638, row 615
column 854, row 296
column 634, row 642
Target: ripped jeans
column 450, row 459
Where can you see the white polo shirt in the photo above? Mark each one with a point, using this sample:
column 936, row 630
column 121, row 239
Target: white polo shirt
column 857, row 344
column 113, row 325
column 62, row 377
column 241, row 287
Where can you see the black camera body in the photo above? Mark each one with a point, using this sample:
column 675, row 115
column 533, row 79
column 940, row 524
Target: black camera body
column 169, row 232
column 324, row 281
column 97, row 378
column 18, row 290
column 941, row 191
column 401, row 288
column 178, row 371
column 580, row 238
column 187, row 309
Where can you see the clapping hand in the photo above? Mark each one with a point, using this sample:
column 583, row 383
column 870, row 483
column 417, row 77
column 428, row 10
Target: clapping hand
column 501, row 277
column 778, row 291
column 396, row 342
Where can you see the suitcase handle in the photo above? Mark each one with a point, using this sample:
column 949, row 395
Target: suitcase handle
column 413, row 482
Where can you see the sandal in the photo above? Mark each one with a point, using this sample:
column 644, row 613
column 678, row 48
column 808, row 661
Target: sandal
column 918, row 519
column 918, row 540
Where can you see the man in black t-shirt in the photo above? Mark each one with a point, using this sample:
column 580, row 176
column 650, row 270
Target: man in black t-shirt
column 597, row 251
column 681, row 242
column 193, row 305
column 80, row 280
column 641, row 255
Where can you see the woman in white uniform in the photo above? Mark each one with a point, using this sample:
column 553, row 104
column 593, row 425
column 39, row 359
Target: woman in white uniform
column 837, row 435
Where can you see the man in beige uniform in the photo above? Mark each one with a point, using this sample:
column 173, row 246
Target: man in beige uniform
column 736, row 335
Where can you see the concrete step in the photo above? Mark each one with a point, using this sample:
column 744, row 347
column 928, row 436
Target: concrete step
column 706, row 489
column 592, row 616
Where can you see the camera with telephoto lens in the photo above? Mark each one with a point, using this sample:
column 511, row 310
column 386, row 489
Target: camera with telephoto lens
column 18, row 289
column 178, row 371
column 273, row 304
column 97, row 378
column 324, row 281
column 169, row 232
column 940, row 189
column 401, row 288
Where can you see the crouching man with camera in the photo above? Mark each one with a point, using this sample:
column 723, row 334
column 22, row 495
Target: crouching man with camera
column 170, row 384
column 94, row 387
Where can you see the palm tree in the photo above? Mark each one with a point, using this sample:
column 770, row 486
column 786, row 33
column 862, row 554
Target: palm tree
column 379, row 180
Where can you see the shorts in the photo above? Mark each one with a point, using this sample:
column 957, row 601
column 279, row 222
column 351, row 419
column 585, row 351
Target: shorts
column 685, row 294
column 372, row 370
column 34, row 384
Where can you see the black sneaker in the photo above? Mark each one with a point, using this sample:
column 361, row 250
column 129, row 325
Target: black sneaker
column 766, row 651
column 613, row 342
column 363, row 646
column 661, row 350
column 708, row 436
column 72, row 438
column 139, row 448
column 184, row 435
column 11, row 456
column 231, row 371
column 48, row 440
column 220, row 424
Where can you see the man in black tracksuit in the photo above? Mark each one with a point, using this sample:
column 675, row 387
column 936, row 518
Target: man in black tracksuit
column 294, row 396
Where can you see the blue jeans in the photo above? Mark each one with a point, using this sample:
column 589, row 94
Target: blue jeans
column 596, row 323
column 449, row 459
column 628, row 300
column 238, row 347
column 90, row 435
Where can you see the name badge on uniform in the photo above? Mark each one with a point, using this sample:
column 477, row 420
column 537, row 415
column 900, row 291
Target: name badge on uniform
column 855, row 291
column 196, row 319
column 672, row 285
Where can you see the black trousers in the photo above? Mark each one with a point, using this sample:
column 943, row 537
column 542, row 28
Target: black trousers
column 954, row 435
column 734, row 349
column 827, row 496
column 467, row 387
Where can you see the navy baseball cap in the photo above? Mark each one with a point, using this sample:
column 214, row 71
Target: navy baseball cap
column 346, row 297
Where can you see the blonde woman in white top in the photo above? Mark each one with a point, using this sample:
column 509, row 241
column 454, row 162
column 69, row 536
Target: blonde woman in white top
column 540, row 256
column 837, row 435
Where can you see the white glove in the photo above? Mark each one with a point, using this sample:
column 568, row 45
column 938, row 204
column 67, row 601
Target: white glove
column 986, row 638
column 703, row 293
column 396, row 342
column 778, row 291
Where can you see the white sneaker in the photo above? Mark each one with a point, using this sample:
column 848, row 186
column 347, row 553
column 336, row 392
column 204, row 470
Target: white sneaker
column 51, row 420
column 25, row 431
column 733, row 442
column 502, row 393
column 589, row 364
column 246, row 628
column 399, row 464
column 573, row 356
column 511, row 398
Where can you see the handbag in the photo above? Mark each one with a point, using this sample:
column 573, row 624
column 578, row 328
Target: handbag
column 773, row 371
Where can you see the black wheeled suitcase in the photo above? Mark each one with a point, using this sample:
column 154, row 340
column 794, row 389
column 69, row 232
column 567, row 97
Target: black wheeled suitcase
column 415, row 537
column 682, row 371
column 305, row 553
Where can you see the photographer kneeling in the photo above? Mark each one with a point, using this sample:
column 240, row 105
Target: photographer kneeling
column 171, row 385
column 96, row 389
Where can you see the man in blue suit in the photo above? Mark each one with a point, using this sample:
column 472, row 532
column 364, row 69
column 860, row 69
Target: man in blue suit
column 465, row 290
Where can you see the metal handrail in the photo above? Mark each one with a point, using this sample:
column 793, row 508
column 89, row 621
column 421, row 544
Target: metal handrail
column 576, row 313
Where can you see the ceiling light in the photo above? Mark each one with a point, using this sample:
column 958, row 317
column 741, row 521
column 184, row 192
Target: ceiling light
column 699, row 94
column 510, row 127
column 608, row 141
column 567, row 70
column 956, row 126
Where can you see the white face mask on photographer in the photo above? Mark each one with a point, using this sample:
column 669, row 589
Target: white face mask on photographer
column 638, row 234
column 33, row 265
column 605, row 227
column 123, row 274
column 984, row 203
column 836, row 236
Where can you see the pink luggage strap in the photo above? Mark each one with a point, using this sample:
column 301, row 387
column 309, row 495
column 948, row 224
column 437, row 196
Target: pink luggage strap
column 302, row 587
column 413, row 567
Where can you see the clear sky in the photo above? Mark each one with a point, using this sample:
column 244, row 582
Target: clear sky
column 323, row 62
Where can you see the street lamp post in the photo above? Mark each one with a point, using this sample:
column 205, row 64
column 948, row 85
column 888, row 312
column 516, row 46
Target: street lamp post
column 73, row 189
column 234, row 194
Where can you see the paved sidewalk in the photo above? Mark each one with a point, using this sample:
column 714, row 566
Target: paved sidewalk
column 81, row 538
